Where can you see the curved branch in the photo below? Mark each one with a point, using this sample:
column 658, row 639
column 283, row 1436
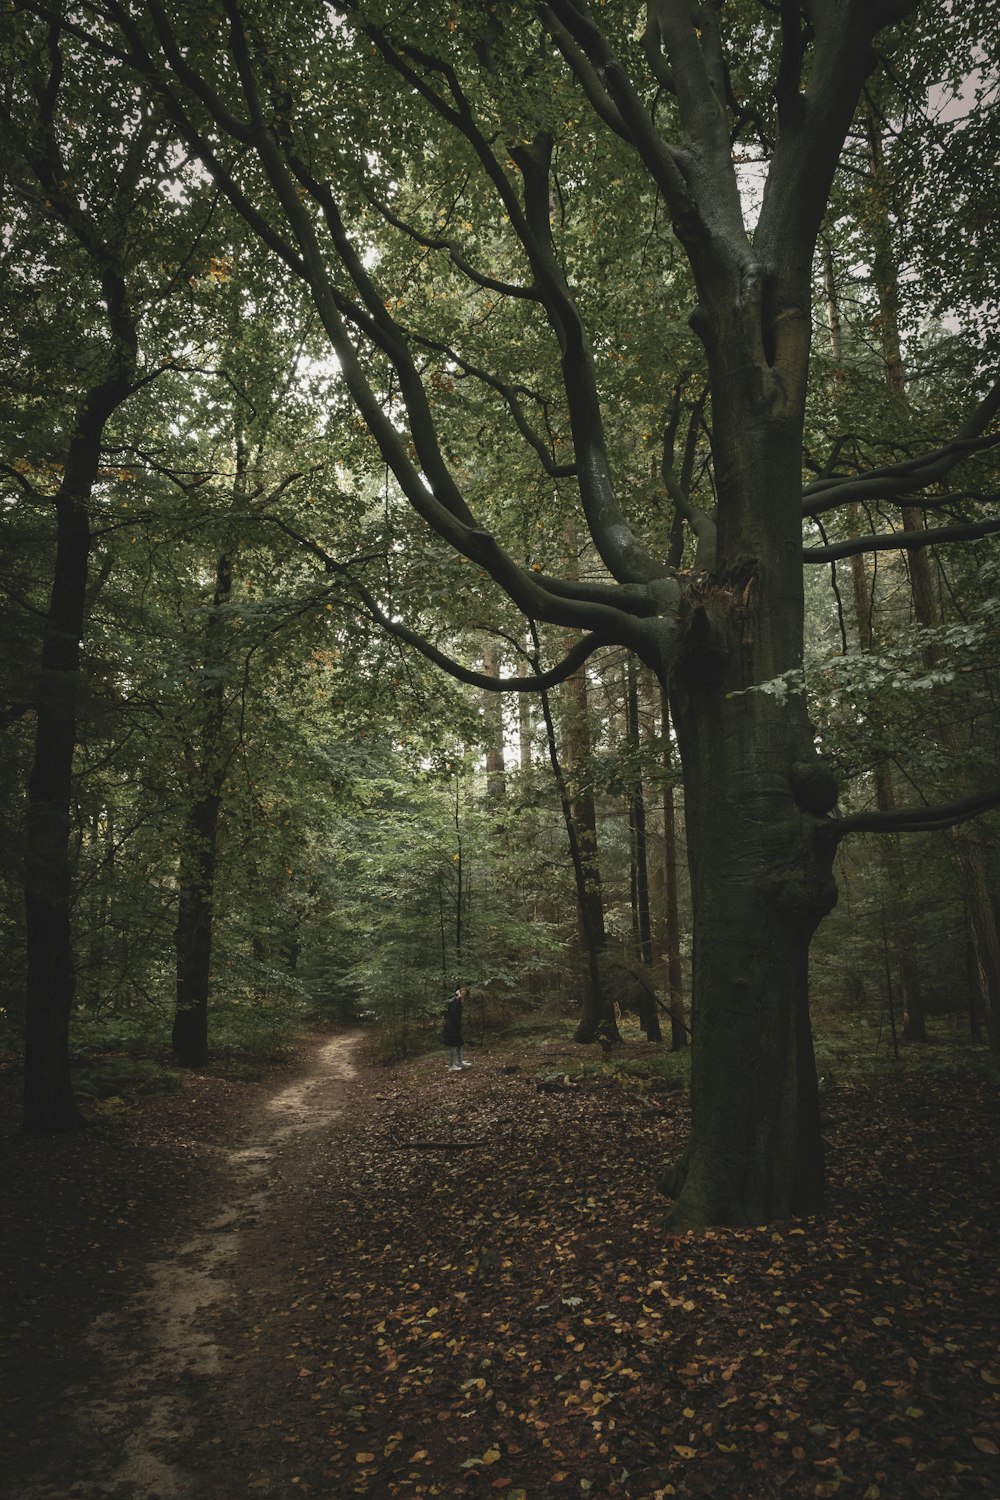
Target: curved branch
column 664, row 162
column 432, row 242
column 700, row 522
column 25, row 484
column 893, row 480
column 615, row 610
column 902, row 541
column 588, row 77
column 918, row 819
column 625, row 557
column 510, row 395
column 571, row 662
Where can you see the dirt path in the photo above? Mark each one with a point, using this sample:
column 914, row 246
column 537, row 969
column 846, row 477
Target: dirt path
column 356, row 1281
column 158, row 1352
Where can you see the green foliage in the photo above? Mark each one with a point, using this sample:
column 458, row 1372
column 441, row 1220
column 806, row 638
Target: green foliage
column 107, row 1078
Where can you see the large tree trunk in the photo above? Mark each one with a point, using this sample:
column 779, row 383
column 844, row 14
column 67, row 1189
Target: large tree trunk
column 761, row 881
column 756, row 797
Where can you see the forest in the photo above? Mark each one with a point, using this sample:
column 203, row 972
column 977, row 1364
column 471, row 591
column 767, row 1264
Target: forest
column 506, row 493
column 509, row 494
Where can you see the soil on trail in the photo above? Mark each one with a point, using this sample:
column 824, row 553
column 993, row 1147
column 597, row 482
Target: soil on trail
column 355, row 1280
column 118, row 1399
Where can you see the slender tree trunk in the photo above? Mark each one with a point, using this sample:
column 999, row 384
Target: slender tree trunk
column 193, row 935
column 984, row 928
column 675, row 972
column 640, row 863
column 982, row 915
column 200, row 850
column 49, row 1105
column 209, row 756
column 903, row 943
column 596, row 1017
column 104, row 836
column 459, row 881
column 524, row 728
column 911, row 989
column 496, row 783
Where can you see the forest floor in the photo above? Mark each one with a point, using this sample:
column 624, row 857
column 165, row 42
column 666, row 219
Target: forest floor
column 350, row 1279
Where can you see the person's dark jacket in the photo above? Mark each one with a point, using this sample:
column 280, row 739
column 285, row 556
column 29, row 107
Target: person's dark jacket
column 451, row 1034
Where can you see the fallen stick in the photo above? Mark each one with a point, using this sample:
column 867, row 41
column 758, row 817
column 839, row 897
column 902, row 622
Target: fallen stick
column 439, row 1145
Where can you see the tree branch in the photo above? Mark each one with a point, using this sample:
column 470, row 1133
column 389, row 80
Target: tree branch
column 897, row 480
column 571, row 662
column 665, row 163
column 588, row 77
column 917, row 819
column 901, row 541
column 436, row 242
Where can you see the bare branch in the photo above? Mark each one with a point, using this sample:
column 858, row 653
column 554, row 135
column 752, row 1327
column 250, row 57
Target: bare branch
column 918, row 819
column 902, row 541
column 900, row 479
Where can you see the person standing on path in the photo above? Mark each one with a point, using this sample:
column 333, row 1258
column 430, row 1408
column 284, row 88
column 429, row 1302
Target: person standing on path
column 451, row 1034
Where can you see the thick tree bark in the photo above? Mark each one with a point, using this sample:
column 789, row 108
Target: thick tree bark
column 51, row 977
column 762, row 879
column 756, row 798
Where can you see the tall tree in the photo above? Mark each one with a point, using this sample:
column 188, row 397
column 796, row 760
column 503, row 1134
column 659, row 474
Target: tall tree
column 93, row 190
column 489, row 105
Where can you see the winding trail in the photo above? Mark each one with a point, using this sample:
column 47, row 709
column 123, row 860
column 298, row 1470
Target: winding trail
column 159, row 1349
